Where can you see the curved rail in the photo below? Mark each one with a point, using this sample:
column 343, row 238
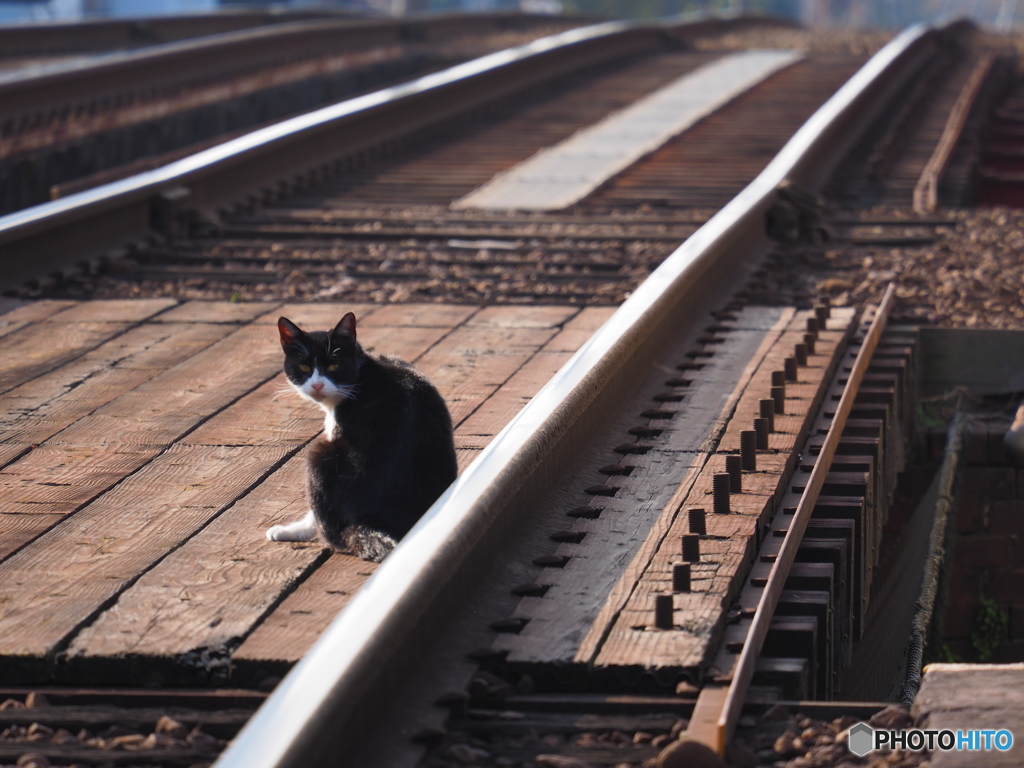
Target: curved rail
column 312, row 145
column 342, row 684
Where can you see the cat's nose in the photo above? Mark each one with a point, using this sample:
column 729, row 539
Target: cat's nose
column 318, row 386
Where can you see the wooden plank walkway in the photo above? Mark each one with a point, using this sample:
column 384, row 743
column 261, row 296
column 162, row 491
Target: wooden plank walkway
column 565, row 625
column 630, row 638
column 146, row 445
column 598, row 609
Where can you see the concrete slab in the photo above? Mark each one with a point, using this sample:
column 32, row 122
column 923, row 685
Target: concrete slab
column 564, row 174
column 973, row 697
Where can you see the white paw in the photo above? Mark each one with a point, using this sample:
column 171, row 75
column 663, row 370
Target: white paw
column 300, row 530
column 277, row 533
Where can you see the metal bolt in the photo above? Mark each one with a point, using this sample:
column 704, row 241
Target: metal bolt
column 779, row 398
column 681, row 577
column 809, row 339
column 790, row 368
column 663, row 611
column 761, row 430
column 767, row 407
column 812, row 326
column 697, row 520
column 748, row 449
column 732, row 466
column 778, row 390
column 823, row 313
column 720, row 483
column 691, row 547
column 800, row 353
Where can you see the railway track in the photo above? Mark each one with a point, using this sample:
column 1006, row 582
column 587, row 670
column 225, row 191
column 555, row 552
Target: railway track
column 447, row 634
column 43, row 39
column 69, row 127
column 460, row 644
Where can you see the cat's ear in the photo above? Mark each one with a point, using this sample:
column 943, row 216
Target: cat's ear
column 291, row 334
column 346, row 327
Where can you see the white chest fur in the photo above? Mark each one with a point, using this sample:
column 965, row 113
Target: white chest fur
column 330, row 423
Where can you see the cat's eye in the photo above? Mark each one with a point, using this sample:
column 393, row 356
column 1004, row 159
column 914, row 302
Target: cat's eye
column 305, row 368
column 332, row 367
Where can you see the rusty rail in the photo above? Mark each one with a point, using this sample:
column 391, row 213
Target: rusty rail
column 926, row 192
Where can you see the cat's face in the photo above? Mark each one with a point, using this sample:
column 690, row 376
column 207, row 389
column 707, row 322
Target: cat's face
column 321, row 366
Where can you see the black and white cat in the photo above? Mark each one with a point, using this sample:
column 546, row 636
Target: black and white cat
column 387, row 450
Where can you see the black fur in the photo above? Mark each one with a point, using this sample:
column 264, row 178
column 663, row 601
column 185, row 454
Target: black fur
column 392, row 453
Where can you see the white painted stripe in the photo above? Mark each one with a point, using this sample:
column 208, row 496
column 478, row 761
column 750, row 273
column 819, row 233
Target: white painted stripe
column 564, row 174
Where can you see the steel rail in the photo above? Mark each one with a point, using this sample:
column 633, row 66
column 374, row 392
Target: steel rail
column 61, row 85
column 323, row 710
column 92, row 223
column 926, row 192
column 97, row 35
column 743, row 672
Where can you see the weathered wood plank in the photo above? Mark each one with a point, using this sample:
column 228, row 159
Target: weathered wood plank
column 107, row 544
column 715, row 578
column 39, row 409
column 499, row 409
column 42, row 346
column 140, row 504
column 114, row 311
column 505, row 316
column 220, row 583
column 470, row 364
column 716, row 390
column 66, row 474
column 212, row 589
column 465, row 456
column 632, row 640
column 236, row 313
column 81, row 462
column 578, row 330
column 569, row 623
column 799, row 394
column 314, row 317
column 295, row 625
column 31, row 312
column 10, row 451
column 422, row 315
column 589, row 319
column 272, row 414
column 166, row 406
column 17, row 529
column 561, row 620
